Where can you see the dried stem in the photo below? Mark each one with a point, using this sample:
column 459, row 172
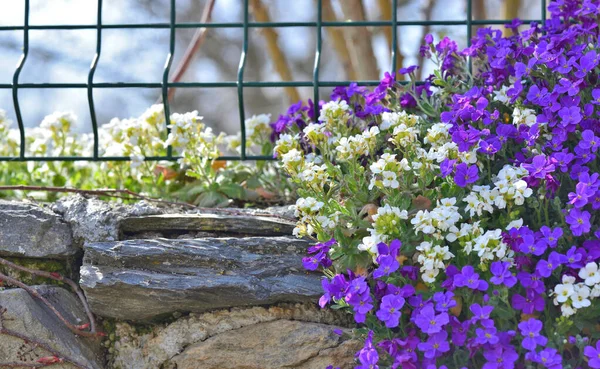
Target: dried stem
column 193, row 47
column 427, row 14
column 37, row 343
column 110, row 192
column 261, row 14
column 338, row 41
column 385, row 7
column 37, row 295
column 358, row 40
column 57, row 277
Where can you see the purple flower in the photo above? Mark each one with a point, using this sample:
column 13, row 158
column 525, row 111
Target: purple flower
column 551, row 236
column 596, row 96
column 580, row 197
column 466, row 174
column 387, row 258
column 530, row 330
column 486, row 335
column 500, row 357
column 548, row 357
column 570, row 115
column 589, row 141
column 539, row 167
column 574, row 258
column 436, row 345
column 368, row 355
column 579, row 221
column 481, row 312
column 334, row 289
column 532, row 301
column 446, row 167
column 501, row 274
column 389, row 310
column 429, row 322
column 444, row 301
column 468, row 278
column 593, row 355
column 545, row 268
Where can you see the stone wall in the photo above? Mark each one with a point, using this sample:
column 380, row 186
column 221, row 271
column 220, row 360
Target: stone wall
column 170, row 288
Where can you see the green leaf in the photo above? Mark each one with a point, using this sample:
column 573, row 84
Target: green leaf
column 233, row 190
column 210, row 199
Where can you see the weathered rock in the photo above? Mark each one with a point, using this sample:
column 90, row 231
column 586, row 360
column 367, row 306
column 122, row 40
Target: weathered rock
column 143, row 279
column 272, row 345
column 27, row 230
column 220, row 223
column 30, row 317
column 155, row 347
column 94, row 220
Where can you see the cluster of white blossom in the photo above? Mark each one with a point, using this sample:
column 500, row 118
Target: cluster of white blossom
column 386, row 170
column 508, row 187
column 524, row 116
column 334, row 113
column 350, row 148
column 572, row 296
column 432, row 259
column 439, row 220
column 385, row 224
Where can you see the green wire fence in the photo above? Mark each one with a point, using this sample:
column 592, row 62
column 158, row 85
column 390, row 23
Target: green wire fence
column 240, row 84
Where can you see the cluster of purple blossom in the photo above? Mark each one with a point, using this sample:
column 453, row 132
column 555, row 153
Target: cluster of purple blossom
column 518, row 283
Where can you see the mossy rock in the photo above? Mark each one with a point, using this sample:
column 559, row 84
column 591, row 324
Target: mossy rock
column 48, row 265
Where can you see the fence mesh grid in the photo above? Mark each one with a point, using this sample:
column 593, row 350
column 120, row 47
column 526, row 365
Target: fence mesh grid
column 239, row 83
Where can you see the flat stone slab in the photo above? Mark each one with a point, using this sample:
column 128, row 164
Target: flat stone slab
column 143, row 279
column 30, row 317
column 281, row 344
column 27, row 230
column 255, row 225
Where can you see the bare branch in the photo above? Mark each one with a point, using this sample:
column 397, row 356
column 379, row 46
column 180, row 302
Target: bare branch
column 37, row 295
column 193, row 47
column 57, row 277
column 34, row 341
column 427, row 14
column 338, row 41
column 261, row 14
column 510, row 10
column 358, row 40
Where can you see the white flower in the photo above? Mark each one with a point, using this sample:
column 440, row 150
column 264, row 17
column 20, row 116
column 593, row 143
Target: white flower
column 567, row 310
column 580, row 298
column 563, row 292
column 136, row 160
column 501, row 95
column 590, row 274
column 389, row 179
column 518, row 223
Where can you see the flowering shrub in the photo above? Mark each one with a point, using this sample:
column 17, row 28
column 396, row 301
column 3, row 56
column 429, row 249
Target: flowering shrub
column 455, row 219
column 197, row 178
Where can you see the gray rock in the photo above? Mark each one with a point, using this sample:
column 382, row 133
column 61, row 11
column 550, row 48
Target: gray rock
column 144, row 279
column 27, row 230
column 274, row 345
column 154, row 348
column 94, row 220
column 30, row 317
column 222, row 223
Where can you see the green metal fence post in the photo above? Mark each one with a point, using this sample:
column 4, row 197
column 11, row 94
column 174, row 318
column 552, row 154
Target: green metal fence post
column 15, row 84
column 90, row 84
